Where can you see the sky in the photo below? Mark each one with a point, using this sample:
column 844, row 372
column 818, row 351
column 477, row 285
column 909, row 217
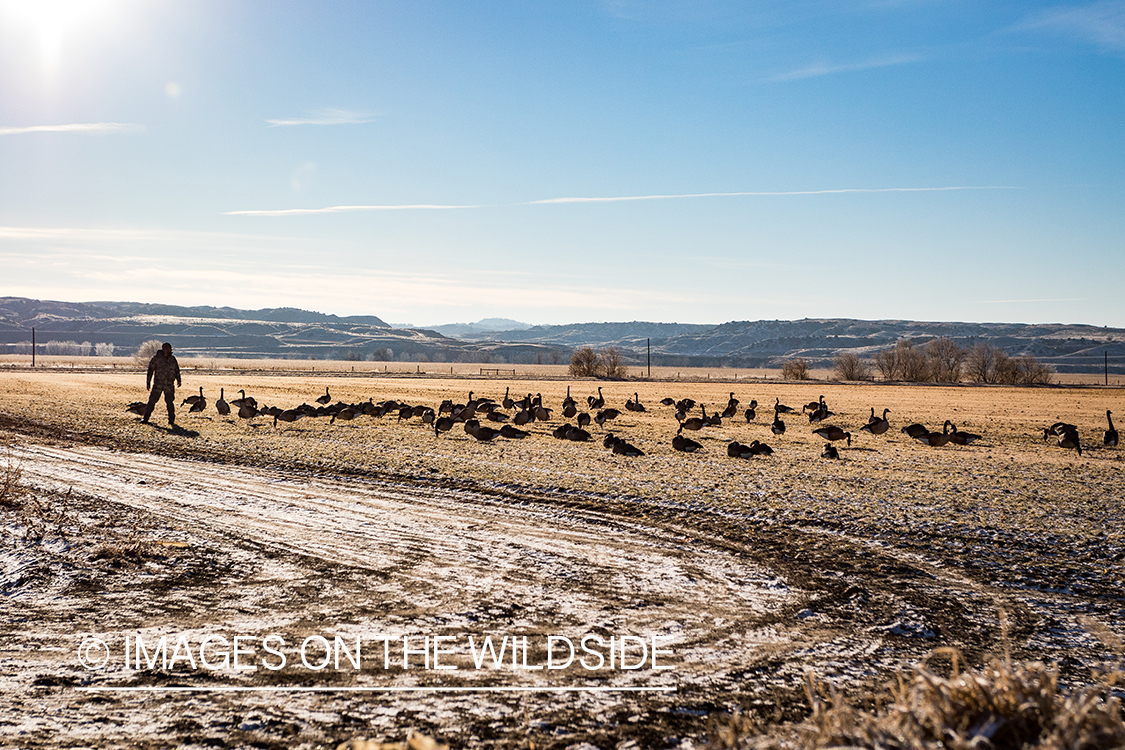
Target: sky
column 695, row 162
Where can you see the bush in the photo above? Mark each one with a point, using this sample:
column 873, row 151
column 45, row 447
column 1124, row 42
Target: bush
column 147, row 351
column 612, row 364
column 795, row 369
column 584, row 363
column 848, row 366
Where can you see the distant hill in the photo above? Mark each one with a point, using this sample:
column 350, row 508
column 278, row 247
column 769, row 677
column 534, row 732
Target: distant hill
column 471, row 331
column 292, row 333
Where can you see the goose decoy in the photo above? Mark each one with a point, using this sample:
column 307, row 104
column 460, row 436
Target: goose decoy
column 137, row 407
column 568, row 400
column 1109, row 440
column 248, row 400
column 514, row 433
column 193, row 399
column 347, row 414
column 522, row 417
column 833, row 433
column 915, row 430
column 782, row 408
column 960, row 438
column 777, row 427
column 935, row 439
column 829, row 451
column 200, row 403
column 760, row 449
column 221, row 405
column 325, row 399
column 877, row 426
column 569, row 410
column 752, row 411
column 685, row 444
column 812, row 405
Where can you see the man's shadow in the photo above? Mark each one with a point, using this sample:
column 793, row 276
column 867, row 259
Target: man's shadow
column 177, row 430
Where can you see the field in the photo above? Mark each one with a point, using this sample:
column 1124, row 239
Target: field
column 758, row 569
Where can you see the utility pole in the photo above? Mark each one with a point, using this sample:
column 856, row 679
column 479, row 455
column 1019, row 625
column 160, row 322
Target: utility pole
column 648, row 344
column 1106, row 353
column 33, row 347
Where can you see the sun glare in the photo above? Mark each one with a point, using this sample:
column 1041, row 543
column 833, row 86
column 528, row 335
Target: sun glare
column 54, row 23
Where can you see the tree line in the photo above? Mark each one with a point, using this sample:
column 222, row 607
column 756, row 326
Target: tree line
column 944, row 361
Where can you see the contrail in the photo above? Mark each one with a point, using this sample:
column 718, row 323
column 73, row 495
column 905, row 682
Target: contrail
column 607, row 199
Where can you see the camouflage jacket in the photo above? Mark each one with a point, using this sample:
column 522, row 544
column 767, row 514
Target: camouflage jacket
column 163, row 370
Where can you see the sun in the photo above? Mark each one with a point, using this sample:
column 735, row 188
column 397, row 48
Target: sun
column 51, row 23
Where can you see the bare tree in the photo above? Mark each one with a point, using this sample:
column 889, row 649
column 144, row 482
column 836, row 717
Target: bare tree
column 911, row 362
column 795, row 369
column 584, row 363
column 848, row 366
column 1028, row 370
column 945, row 359
column 612, row 364
column 984, row 363
column 886, row 364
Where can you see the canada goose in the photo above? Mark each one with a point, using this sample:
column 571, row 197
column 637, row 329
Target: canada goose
column 325, row 399
column 635, row 404
column 752, row 411
column 606, row 415
column 522, row 417
column 584, row 419
column 610, row 440
column 515, row 433
column 935, row 439
column 1057, row 429
column 569, row 410
column 247, row 411
column 760, row 449
column 668, row 401
column 778, row 427
column 542, row 413
column 577, row 435
column 685, row 404
column 695, row 423
column 685, row 444
column 915, row 430
column 221, row 405
column 568, row 401
column 1069, row 439
column 782, row 408
column 200, row 404
column 137, row 407
column 736, row 449
column 289, row 415
column 716, row 419
column 559, row 432
column 193, row 399
column 877, row 426
column 406, row 411
column 480, row 432
column 960, row 438
column 497, row 416
column 833, row 433
column 812, row 405
column 346, row 414
column 596, row 403
column 248, row 400
column 443, row 424
column 508, row 403
column 1109, row 440
column 428, row 416
column 622, row 448
column 829, row 451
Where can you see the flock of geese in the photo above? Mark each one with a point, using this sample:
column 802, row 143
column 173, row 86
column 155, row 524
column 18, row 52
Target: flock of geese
column 511, row 415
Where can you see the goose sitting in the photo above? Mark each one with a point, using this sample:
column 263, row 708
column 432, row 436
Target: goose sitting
column 695, row 423
column 915, row 430
column 935, row 439
column 514, row 433
column 960, row 438
column 685, row 444
column 736, row 449
column 760, row 449
column 621, row 448
column 782, row 408
column 137, row 407
column 577, row 435
column 1109, row 440
column 829, row 451
column 481, row 433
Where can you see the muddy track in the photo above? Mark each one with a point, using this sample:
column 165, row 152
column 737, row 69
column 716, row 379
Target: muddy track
column 751, row 604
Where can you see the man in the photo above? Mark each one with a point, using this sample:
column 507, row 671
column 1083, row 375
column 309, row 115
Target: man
column 163, row 377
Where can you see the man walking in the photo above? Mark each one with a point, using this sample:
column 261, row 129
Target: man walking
column 163, row 377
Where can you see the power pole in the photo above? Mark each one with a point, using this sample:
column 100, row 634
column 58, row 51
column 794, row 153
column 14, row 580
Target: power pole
column 1106, row 353
column 33, row 347
column 648, row 344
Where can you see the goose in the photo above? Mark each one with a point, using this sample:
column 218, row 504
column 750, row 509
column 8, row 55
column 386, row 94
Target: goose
column 443, row 424
column 137, row 407
column 584, row 419
column 695, row 423
column 622, row 448
column 915, row 430
column 1109, row 440
column 568, row 401
column 542, row 413
column 668, row 401
column 610, row 440
column 326, row 398
column 1058, row 428
column 596, row 403
column 782, row 408
column 778, row 427
column 960, row 438
column 244, row 400
column 289, row 415
column 508, row 403
column 522, row 417
column 445, row 407
column 736, row 449
column 577, row 435
column 515, row 433
column 716, row 419
column 247, row 411
column 569, row 410
column 685, row 444
column 193, row 399
column 607, row 414
column 935, row 439
column 829, row 451
column 752, row 411
column 877, row 426
column 834, row 433
column 497, row 416
column 559, row 432
column 428, row 416
column 221, row 405
column 346, row 414
column 760, row 449
column 481, row 433
column 1069, row 439
column 200, row 404
column 812, row 405
column 635, row 404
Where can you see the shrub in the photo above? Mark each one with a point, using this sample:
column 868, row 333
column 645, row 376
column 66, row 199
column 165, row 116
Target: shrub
column 795, row 369
column 584, row 363
column 147, row 351
column 612, row 364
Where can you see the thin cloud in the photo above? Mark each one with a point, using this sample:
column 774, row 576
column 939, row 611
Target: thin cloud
column 604, row 199
column 1101, row 24
column 325, row 117
column 77, row 127
column 1005, row 301
column 824, row 69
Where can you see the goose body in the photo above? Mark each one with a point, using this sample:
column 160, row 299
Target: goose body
column 1109, row 440
column 193, row 399
column 877, row 425
column 829, row 451
column 685, row 444
column 777, row 427
column 325, row 399
column 915, row 430
column 961, row 438
column 833, row 433
column 221, row 405
column 781, row 408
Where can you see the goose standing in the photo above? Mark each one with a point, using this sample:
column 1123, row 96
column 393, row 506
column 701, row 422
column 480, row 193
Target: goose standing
column 751, row 412
column 780, row 407
column 778, row 427
column 221, row 405
column 1109, row 440
column 326, row 398
column 833, row 433
column 877, row 425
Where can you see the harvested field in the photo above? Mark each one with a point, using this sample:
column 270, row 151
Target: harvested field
column 761, row 569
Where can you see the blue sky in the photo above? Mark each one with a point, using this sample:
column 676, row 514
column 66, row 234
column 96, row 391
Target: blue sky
column 917, row 159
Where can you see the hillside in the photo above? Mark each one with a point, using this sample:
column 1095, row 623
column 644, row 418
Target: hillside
column 292, row 333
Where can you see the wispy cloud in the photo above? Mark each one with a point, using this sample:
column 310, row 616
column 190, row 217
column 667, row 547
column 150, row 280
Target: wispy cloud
column 604, row 199
column 1101, row 24
column 77, row 127
column 325, row 117
column 342, row 209
column 1005, row 301
column 824, row 69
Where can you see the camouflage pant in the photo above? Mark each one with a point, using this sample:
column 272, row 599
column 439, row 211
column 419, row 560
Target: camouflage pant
column 169, row 392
